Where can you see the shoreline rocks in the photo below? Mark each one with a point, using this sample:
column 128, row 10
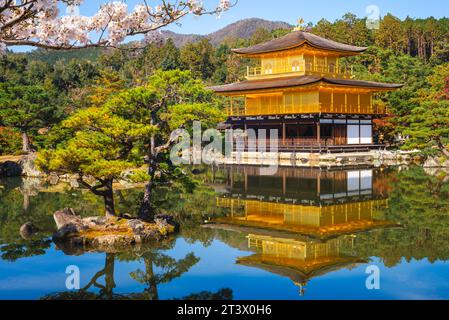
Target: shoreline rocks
column 101, row 234
column 27, row 163
column 324, row 160
column 16, row 166
column 436, row 162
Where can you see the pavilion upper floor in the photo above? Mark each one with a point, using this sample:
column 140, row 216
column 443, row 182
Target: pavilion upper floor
column 302, row 95
column 299, row 53
column 299, row 63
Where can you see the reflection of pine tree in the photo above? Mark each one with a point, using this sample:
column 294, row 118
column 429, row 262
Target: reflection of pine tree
column 24, row 248
column 106, row 290
column 171, row 269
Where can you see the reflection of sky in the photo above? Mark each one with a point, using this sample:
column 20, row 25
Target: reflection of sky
column 32, row 278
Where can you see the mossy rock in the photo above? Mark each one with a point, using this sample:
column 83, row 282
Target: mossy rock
column 100, row 234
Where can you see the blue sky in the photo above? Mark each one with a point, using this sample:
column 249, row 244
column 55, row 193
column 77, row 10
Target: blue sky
column 291, row 10
column 312, row 10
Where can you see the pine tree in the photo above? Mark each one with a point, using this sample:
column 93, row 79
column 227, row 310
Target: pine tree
column 101, row 145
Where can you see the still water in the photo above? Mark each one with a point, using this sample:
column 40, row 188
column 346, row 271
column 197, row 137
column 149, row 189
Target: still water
column 301, row 234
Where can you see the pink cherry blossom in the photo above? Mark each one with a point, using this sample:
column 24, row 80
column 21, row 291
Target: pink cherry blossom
column 40, row 22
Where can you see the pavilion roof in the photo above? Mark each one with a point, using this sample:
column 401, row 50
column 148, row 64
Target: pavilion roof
column 296, row 39
column 298, row 81
column 300, row 272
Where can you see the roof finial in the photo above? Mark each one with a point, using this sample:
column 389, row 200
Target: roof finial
column 300, row 26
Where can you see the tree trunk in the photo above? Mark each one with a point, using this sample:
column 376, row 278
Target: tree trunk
column 26, row 202
column 432, row 47
column 442, row 148
column 151, row 280
column 108, row 196
column 26, row 143
column 145, row 211
column 109, row 276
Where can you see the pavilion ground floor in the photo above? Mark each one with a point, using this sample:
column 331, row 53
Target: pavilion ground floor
column 306, row 133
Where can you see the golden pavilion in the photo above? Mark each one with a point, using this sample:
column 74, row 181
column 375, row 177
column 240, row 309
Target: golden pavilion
column 302, row 89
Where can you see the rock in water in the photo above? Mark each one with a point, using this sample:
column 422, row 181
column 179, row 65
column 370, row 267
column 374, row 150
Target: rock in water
column 53, row 179
column 65, row 216
column 28, row 167
column 165, row 221
column 10, row 169
column 106, row 235
column 68, row 223
column 27, row 230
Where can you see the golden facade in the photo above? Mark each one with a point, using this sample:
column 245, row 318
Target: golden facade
column 301, row 80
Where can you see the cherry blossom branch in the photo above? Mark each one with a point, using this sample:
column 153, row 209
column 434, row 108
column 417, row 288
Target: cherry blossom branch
column 39, row 23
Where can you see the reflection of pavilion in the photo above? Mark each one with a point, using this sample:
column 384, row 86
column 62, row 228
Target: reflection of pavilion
column 301, row 223
column 298, row 260
column 311, row 202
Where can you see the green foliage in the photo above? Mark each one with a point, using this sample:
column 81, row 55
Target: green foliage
column 348, row 29
column 169, row 99
column 101, row 145
column 24, row 200
column 422, row 38
column 37, row 71
column 172, row 57
column 13, row 68
column 427, row 125
column 199, row 58
column 10, row 141
column 76, row 73
column 28, row 102
column 27, row 107
column 429, row 128
column 413, row 52
column 52, row 56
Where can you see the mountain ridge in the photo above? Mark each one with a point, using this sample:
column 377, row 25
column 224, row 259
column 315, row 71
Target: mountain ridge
column 240, row 29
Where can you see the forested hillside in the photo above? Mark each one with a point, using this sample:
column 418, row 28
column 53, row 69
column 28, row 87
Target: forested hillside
column 414, row 52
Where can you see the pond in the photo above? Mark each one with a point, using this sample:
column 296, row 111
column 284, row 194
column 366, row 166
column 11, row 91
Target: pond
column 360, row 233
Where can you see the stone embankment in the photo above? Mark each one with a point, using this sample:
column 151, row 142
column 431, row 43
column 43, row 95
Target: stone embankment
column 291, row 159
